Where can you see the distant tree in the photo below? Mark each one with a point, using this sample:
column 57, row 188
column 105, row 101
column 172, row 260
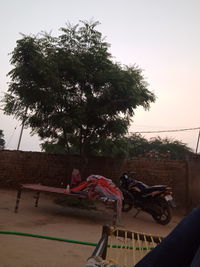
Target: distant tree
column 2, row 141
column 69, row 90
column 128, row 147
column 166, row 147
column 55, row 148
column 137, row 146
column 122, row 147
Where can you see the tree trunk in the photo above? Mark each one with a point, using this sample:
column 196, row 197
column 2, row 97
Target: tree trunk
column 66, row 144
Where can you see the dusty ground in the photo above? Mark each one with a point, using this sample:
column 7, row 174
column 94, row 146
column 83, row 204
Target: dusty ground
column 53, row 220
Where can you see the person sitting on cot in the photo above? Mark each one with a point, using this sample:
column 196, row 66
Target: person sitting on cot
column 75, row 178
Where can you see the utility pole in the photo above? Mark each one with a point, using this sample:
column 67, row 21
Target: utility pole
column 22, row 128
column 198, row 142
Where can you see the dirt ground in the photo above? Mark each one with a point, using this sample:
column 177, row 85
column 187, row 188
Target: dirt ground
column 53, row 220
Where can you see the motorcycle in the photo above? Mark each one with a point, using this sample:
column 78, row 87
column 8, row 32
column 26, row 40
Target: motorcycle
column 156, row 200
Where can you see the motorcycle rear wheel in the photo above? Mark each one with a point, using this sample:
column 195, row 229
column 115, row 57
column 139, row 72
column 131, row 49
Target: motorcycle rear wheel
column 166, row 215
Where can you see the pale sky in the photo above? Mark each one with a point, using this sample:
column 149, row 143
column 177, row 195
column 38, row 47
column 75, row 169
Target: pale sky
column 160, row 36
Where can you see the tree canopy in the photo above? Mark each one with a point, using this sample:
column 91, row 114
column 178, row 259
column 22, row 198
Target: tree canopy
column 2, row 141
column 69, row 90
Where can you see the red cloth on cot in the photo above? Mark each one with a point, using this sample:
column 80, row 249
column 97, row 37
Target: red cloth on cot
column 101, row 181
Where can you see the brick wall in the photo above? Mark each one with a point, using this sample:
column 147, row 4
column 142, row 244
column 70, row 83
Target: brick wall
column 194, row 181
column 17, row 167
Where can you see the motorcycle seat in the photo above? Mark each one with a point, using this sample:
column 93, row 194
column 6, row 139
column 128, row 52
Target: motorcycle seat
column 153, row 188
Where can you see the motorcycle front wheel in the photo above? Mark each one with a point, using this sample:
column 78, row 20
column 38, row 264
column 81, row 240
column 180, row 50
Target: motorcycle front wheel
column 127, row 203
column 165, row 216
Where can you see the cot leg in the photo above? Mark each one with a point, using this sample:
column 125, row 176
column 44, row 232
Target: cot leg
column 115, row 214
column 37, row 198
column 101, row 248
column 18, row 200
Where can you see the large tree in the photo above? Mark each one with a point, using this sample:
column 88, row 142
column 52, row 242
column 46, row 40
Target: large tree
column 69, row 90
column 2, row 141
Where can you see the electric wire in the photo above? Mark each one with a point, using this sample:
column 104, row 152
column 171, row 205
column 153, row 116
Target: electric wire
column 168, row 131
